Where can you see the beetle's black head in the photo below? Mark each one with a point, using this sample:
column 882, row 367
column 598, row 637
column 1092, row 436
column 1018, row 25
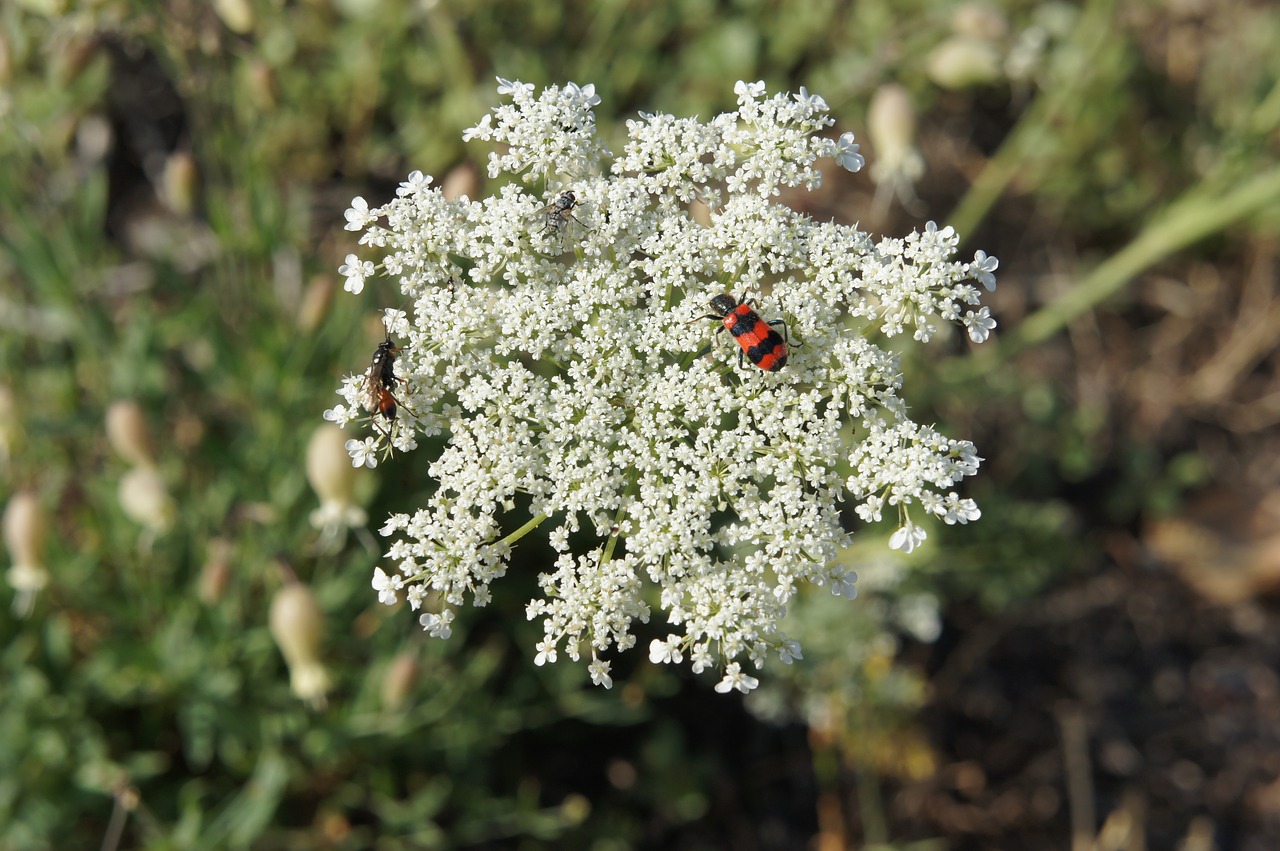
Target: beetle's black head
column 723, row 305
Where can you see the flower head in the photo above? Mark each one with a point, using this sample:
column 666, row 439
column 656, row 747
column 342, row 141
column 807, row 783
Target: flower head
column 570, row 365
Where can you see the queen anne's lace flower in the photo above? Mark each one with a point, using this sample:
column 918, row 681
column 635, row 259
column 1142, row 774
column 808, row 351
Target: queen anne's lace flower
column 567, row 363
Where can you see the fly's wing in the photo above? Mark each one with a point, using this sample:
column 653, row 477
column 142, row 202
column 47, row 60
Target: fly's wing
column 549, row 217
column 372, row 395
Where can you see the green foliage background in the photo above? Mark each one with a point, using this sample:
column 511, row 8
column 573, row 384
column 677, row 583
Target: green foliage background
column 125, row 691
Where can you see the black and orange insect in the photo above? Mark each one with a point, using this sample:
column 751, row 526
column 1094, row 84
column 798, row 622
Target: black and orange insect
column 380, row 381
column 558, row 213
column 762, row 345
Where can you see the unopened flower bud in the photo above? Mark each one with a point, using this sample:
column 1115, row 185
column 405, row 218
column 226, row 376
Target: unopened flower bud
column 962, row 62
column 891, row 122
column 334, row 479
column 399, row 680
column 25, row 530
column 127, row 432
column 297, row 625
column 145, row 499
column 328, row 468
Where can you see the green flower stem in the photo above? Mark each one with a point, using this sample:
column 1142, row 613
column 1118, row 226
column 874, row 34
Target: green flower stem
column 533, row 523
column 621, row 514
column 610, row 546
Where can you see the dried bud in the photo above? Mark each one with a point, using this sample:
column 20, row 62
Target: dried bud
column 145, row 499
column 25, row 529
column 399, row 679
column 961, row 62
column 297, row 625
column 127, row 432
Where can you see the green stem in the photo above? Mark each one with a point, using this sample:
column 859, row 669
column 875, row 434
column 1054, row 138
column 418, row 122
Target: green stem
column 533, row 523
column 1188, row 220
column 1078, row 65
column 618, row 517
column 609, row 547
column 1197, row 214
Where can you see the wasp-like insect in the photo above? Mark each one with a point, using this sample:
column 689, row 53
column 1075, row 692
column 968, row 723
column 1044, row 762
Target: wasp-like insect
column 380, row 382
column 557, row 214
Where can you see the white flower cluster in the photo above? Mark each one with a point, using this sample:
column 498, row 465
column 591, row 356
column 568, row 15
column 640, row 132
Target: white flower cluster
column 554, row 342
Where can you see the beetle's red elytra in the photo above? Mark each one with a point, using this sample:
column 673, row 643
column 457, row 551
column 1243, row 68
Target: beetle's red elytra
column 762, row 345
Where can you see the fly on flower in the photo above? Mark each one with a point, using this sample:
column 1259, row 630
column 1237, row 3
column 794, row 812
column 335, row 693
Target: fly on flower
column 557, row 214
column 765, row 347
column 380, row 382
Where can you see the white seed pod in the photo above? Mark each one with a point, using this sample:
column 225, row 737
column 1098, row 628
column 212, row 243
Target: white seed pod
column 25, row 531
column 145, row 499
column 127, row 433
column 297, row 625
